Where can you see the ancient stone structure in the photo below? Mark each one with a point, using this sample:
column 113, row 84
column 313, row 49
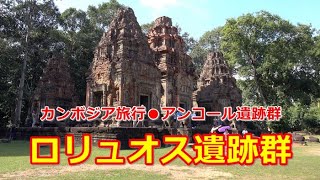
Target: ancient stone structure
column 216, row 86
column 124, row 71
column 55, row 87
column 127, row 71
column 177, row 71
column 130, row 69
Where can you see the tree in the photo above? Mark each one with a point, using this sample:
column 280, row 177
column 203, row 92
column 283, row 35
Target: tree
column 209, row 41
column 74, row 20
column 30, row 23
column 273, row 56
column 102, row 15
column 315, row 60
column 189, row 41
column 146, row 27
column 9, row 64
column 30, row 31
column 82, row 32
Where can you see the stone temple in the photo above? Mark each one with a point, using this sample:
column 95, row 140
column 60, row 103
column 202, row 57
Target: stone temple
column 132, row 69
column 216, row 88
column 55, row 87
column 124, row 71
column 177, row 71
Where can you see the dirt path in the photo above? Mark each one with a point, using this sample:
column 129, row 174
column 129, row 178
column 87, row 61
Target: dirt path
column 174, row 172
column 311, row 149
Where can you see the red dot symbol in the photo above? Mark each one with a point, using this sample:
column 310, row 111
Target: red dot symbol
column 153, row 114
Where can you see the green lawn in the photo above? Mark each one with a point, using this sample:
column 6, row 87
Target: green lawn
column 14, row 164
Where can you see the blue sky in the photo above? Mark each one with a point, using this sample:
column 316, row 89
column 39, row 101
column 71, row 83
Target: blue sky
column 199, row 16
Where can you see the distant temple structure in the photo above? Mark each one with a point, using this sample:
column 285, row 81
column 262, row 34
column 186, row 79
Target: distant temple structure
column 216, row 86
column 130, row 70
column 55, row 87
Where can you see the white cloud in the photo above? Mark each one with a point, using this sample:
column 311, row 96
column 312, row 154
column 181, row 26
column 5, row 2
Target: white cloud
column 158, row 4
column 161, row 7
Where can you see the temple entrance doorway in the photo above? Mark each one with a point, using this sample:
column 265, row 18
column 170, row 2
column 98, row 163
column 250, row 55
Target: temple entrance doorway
column 144, row 100
column 97, row 99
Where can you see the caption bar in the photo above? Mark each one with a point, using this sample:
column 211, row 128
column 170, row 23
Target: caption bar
column 210, row 149
column 139, row 113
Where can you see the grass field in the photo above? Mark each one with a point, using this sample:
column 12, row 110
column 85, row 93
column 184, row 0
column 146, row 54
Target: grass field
column 14, row 164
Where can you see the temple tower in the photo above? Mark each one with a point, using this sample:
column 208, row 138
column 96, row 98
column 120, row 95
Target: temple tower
column 216, row 86
column 123, row 71
column 55, row 87
column 177, row 71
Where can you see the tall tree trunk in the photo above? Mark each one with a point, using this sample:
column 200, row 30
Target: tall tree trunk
column 20, row 89
column 23, row 73
column 24, row 67
column 264, row 126
column 259, row 89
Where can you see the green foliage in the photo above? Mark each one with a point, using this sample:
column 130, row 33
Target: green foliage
column 273, row 56
column 32, row 31
column 189, row 41
column 74, row 20
column 146, row 27
column 209, row 41
column 311, row 121
column 272, row 52
column 304, row 117
column 102, row 15
column 9, row 65
column 277, row 62
column 82, row 32
column 25, row 37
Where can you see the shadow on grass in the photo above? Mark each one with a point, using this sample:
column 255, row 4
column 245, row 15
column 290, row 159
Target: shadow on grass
column 15, row 148
column 22, row 148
